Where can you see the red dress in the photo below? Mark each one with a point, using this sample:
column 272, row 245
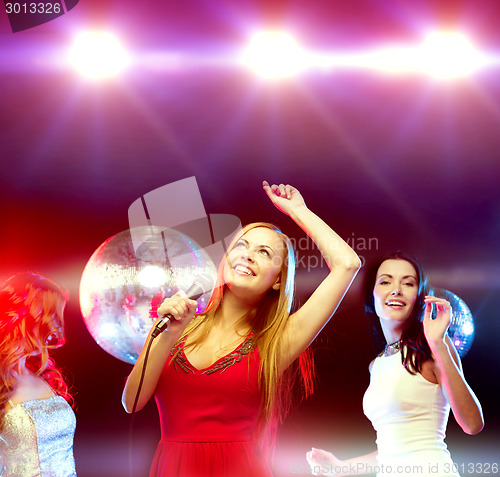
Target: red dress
column 208, row 417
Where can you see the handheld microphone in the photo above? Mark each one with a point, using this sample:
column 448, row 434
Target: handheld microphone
column 201, row 285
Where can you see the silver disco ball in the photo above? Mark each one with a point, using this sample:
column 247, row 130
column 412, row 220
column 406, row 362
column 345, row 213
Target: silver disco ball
column 461, row 329
column 126, row 280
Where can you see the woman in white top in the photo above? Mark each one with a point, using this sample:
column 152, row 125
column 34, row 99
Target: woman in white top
column 414, row 380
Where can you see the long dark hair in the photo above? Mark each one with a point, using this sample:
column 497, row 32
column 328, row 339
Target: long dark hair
column 414, row 347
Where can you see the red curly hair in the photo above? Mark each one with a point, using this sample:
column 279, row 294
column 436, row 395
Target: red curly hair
column 31, row 324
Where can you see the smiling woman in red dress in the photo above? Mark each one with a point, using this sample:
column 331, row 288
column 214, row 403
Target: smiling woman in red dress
column 221, row 379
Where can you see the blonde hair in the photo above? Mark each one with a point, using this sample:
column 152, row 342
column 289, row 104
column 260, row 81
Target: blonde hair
column 268, row 320
column 30, row 306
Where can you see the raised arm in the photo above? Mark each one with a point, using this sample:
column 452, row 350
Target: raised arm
column 448, row 369
column 304, row 325
column 182, row 309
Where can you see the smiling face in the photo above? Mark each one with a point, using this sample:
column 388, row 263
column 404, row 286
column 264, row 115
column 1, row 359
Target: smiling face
column 255, row 262
column 395, row 291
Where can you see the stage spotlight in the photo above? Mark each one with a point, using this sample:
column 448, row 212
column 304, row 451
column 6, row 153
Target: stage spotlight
column 98, row 55
column 443, row 55
column 274, row 55
column 448, row 55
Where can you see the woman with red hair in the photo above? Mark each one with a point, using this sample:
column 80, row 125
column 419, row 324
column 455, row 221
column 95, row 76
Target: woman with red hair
column 36, row 423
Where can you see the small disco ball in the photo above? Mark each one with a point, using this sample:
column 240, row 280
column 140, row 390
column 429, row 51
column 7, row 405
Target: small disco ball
column 461, row 329
column 122, row 285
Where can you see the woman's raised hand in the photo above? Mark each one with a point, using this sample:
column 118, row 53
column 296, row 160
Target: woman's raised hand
column 322, row 462
column 435, row 329
column 181, row 308
column 285, row 197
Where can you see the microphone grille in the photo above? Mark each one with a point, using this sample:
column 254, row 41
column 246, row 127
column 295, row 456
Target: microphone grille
column 205, row 282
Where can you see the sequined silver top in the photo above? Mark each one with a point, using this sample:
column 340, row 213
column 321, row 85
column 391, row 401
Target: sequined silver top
column 37, row 440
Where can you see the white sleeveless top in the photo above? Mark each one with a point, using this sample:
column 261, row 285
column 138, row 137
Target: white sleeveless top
column 410, row 415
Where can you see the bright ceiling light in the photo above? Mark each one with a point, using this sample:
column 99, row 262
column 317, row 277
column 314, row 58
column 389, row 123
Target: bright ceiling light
column 274, row 55
column 443, row 55
column 448, row 55
column 98, row 55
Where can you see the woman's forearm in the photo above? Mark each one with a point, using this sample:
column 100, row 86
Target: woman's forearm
column 463, row 401
column 335, row 251
column 305, row 324
column 157, row 358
